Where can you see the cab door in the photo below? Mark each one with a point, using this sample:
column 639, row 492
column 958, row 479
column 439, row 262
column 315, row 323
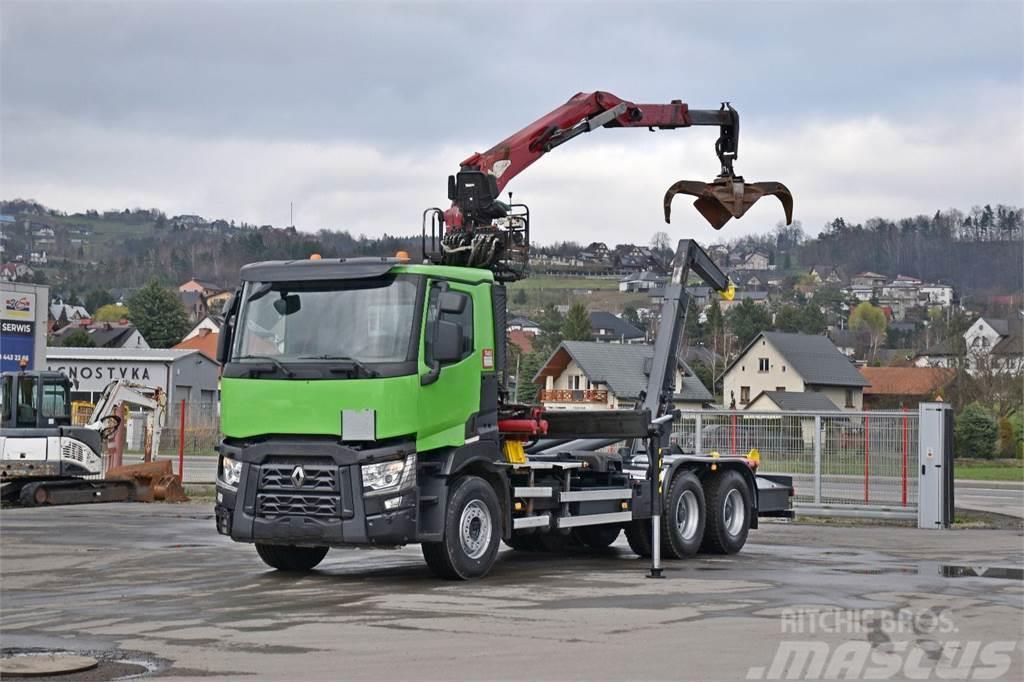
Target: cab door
column 450, row 366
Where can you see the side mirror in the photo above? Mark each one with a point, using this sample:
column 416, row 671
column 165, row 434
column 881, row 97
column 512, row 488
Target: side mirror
column 448, row 343
column 227, row 328
column 451, row 302
column 224, row 342
column 288, row 304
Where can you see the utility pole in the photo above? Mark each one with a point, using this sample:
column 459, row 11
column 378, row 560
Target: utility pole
column 291, row 213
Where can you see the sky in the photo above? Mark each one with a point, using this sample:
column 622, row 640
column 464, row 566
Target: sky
column 356, row 113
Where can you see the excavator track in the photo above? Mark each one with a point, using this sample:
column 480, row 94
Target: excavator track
column 75, row 491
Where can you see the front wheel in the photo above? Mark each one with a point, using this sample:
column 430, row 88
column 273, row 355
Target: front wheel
column 291, row 558
column 472, row 532
column 729, row 506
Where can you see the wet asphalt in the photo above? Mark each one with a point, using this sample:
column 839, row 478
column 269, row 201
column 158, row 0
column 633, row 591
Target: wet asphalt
column 156, row 585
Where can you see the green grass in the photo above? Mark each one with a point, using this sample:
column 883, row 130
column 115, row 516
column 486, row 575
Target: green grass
column 551, row 282
column 990, row 470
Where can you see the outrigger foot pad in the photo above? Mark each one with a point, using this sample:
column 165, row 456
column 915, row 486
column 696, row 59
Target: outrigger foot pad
column 727, row 197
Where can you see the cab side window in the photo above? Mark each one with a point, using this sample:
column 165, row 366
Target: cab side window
column 463, row 319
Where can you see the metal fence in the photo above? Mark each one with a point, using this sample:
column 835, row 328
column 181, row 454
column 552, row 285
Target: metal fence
column 852, row 462
column 201, row 429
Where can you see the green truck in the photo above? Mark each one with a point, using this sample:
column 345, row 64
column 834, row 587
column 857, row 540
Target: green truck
column 364, row 403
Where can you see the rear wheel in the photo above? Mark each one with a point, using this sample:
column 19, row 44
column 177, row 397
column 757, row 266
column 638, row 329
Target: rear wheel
column 729, row 506
column 290, row 557
column 472, row 532
column 683, row 520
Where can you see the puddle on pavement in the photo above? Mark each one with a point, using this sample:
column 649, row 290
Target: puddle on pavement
column 111, row 665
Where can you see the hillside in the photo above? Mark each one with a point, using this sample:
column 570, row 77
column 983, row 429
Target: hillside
column 978, row 252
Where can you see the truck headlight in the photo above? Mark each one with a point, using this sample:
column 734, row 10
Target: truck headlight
column 389, row 477
column 230, row 471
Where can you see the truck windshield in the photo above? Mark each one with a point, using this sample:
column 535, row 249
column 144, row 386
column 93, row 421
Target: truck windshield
column 363, row 321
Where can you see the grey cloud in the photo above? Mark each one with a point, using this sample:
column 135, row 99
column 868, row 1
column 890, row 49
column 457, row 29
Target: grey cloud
column 357, row 112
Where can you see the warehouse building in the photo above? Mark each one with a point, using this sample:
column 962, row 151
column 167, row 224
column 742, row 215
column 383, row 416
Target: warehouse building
column 183, row 374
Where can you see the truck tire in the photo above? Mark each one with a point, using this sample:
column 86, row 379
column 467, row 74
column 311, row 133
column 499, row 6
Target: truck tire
column 683, row 519
column 472, row 532
column 290, row 557
column 598, row 537
column 729, row 506
column 638, row 535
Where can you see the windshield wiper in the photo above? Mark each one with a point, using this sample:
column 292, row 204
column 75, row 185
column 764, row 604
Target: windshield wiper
column 274, row 361
column 360, row 367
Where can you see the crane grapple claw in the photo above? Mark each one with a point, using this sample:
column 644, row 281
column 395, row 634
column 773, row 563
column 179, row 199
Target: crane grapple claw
column 727, row 197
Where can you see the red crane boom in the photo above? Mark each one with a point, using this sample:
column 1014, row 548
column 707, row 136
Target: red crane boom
column 479, row 230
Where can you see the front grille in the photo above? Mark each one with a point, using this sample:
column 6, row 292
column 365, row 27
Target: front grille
column 316, row 478
column 270, row 505
column 73, row 451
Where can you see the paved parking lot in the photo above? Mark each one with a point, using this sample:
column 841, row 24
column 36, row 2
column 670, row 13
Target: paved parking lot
column 156, row 581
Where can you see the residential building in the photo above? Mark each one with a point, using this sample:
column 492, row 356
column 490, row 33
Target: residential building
column 825, row 274
column 15, row 272
column 642, row 281
column 105, row 334
column 210, row 323
column 198, row 286
column 524, row 324
column 600, row 376
column 217, row 301
column 204, row 341
column 755, row 260
column 788, row 401
column 849, row 342
column 869, row 280
column 195, row 305
column 522, row 340
column 938, row 355
column 996, row 344
column 611, row 329
column 757, row 297
column 777, row 361
column 899, row 387
column 61, row 314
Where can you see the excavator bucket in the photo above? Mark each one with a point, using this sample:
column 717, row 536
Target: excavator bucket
column 727, row 197
column 153, row 481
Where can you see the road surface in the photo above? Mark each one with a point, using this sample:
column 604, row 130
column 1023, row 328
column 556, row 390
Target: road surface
column 154, row 583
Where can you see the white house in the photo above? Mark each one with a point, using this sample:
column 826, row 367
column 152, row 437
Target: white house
column 642, row 281
column 776, row 361
column 523, row 324
column 996, row 342
column 755, row 260
column 211, row 323
column 588, row 375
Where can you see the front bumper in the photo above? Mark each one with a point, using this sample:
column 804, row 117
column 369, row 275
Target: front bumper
column 326, row 507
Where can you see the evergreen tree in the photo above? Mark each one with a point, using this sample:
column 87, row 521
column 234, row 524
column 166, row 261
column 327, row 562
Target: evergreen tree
column 747, row 320
column 577, row 324
column 159, row 315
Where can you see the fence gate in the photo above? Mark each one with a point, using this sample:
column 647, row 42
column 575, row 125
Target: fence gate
column 842, row 463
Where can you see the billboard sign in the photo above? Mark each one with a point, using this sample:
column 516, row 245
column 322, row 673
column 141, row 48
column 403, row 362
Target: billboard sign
column 17, row 330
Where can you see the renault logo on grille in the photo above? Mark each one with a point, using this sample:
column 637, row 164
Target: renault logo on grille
column 298, row 476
